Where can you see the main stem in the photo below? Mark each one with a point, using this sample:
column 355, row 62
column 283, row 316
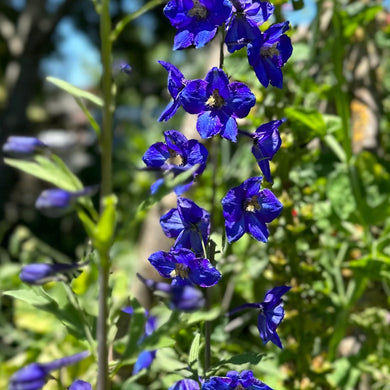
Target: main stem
column 106, row 189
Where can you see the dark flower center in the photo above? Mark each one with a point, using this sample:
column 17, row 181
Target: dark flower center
column 215, row 100
column 175, row 158
column 198, row 11
column 270, row 51
column 180, row 270
column 239, row 387
column 252, row 204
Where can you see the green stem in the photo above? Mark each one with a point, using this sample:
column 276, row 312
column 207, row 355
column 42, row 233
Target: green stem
column 106, row 189
column 126, row 20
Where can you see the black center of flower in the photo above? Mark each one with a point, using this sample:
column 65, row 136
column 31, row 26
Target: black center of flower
column 198, row 11
column 180, row 270
column 252, row 204
column 215, row 100
column 270, row 51
column 175, row 158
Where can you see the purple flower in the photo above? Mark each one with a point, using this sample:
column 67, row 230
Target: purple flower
column 246, row 208
column 176, row 83
column 16, row 146
column 177, row 154
column 271, row 313
column 185, row 384
column 242, row 26
column 41, row 273
column 235, row 380
column 182, row 297
column 55, row 201
column 78, row 384
column 266, row 142
column 35, row 375
column 218, row 104
column 184, row 267
column 196, row 20
column 268, row 53
column 189, row 224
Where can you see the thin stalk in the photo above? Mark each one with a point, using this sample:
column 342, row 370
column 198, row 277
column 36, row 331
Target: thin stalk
column 106, row 189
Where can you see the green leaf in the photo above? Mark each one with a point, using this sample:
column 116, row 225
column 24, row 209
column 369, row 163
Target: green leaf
column 374, row 267
column 200, row 316
column 75, row 92
column 161, row 338
column 306, row 123
column 26, row 295
column 194, row 352
column 49, row 168
column 340, row 194
column 244, row 358
column 104, row 231
column 67, row 314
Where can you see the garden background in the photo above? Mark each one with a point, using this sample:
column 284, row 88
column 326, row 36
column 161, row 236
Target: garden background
column 330, row 244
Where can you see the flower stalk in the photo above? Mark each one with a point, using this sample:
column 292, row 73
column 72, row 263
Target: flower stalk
column 106, row 189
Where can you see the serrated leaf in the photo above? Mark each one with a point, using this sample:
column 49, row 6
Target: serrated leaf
column 76, row 92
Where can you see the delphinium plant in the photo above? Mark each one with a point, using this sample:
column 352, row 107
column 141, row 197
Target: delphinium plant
column 193, row 266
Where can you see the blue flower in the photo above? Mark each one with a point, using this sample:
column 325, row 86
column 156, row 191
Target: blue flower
column 176, row 155
column 196, row 20
column 242, row 26
column 235, row 380
column 54, row 202
column 16, row 146
column 266, row 142
column 189, row 224
column 271, row 313
column 185, row 384
column 144, row 361
column 41, row 273
column 35, row 375
column 218, row 104
column 246, row 208
column 182, row 297
column 268, row 53
column 176, row 83
column 184, row 267
column 78, row 384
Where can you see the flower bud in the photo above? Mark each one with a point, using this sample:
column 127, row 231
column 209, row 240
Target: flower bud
column 35, row 375
column 42, row 273
column 23, row 146
column 55, row 202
